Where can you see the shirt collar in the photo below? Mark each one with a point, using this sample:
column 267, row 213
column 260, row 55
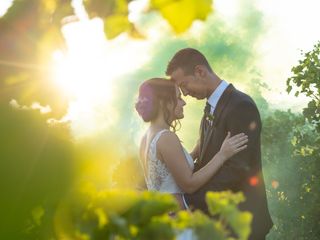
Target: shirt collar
column 217, row 93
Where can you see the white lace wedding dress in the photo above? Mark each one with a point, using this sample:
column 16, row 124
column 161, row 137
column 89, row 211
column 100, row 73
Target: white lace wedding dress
column 158, row 178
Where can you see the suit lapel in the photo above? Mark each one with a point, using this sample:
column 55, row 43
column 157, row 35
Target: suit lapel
column 223, row 101
column 206, row 135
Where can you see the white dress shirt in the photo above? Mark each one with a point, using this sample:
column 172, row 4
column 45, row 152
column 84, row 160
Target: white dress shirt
column 216, row 95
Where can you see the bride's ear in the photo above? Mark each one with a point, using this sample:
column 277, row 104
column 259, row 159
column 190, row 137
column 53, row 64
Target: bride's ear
column 166, row 105
column 161, row 105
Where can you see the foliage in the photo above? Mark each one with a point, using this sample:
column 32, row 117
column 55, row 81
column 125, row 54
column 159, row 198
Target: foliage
column 114, row 13
column 292, row 161
column 292, row 179
column 306, row 138
column 181, row 14
column 306, row 79
column 30, row 33
column 225, row 204
column 125, row 214
column 36, row 170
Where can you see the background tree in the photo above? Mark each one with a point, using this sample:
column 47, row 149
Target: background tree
column 294, row 157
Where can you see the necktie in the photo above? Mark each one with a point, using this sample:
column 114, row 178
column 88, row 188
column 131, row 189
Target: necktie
column 204, row 129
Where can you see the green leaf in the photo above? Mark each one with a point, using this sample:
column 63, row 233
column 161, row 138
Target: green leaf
column 294, row 141
column 240, row 223
column 181, row 14
column 116, row 24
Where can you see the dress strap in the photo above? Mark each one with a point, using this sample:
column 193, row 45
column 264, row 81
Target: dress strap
column 157, row 136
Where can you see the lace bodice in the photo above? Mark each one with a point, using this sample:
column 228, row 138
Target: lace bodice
column 158, row 177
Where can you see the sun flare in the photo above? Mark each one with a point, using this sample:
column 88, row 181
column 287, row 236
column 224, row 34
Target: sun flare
column 89, row 72
column 81, row 73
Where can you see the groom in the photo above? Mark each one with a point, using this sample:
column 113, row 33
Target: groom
column 227, row 109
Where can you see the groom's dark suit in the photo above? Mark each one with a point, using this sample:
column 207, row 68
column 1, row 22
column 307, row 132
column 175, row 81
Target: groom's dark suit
column 235, row 112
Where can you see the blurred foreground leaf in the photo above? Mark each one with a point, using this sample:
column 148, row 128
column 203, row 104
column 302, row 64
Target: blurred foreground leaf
column 180, row 14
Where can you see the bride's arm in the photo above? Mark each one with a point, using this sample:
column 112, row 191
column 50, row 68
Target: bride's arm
column 170, row 150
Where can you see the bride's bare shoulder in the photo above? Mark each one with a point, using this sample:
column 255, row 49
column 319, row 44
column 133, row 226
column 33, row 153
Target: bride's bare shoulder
column 168, row 139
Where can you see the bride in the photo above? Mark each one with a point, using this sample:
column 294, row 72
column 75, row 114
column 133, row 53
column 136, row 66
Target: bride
column 167, row 166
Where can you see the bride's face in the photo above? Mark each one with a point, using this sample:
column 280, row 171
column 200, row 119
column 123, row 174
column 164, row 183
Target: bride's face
column 178, row 111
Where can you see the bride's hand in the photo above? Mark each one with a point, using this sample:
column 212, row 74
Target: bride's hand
column 233, row 145
column 196, row 151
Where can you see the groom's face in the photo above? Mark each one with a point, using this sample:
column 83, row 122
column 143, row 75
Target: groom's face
column 190, row 85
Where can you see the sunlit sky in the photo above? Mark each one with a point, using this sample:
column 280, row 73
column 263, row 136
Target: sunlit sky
column 292, row 26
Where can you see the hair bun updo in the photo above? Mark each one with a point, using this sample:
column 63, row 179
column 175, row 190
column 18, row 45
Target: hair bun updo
column 145, row 103
column 155, row 96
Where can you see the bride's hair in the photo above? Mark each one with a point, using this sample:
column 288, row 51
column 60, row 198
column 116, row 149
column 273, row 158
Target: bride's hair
column 154, row 95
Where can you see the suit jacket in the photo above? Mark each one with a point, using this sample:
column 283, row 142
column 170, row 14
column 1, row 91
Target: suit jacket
column 236, row 112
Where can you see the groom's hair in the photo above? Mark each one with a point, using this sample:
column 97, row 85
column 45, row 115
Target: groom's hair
column 187, row 59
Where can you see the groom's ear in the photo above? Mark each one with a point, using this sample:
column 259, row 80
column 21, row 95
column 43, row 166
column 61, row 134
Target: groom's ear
column 200, row 71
